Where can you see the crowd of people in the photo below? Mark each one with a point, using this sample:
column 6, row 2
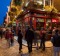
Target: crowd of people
column 8, row 34
column 32, row 36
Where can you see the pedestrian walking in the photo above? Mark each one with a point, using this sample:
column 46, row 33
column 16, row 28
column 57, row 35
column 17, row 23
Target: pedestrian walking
column 42, row 38
column 29, row 36
column 36, row 38
column 20, row 36
column 9, row 37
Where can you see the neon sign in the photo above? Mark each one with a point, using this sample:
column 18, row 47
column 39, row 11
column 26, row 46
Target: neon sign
column 54, row 20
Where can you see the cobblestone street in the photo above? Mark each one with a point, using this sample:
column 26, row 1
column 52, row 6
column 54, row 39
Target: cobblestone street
column 13, row 50
column 30, row 28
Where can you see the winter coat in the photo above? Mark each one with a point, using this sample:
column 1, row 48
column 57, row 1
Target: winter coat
column 20, row 36
column 29, row 36
column 56, row 40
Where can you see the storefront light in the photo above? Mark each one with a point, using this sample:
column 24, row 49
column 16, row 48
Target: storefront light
column 27, row 4
column 33, row 18
column 54, row 20
column 28, row 11
column 15, row 16
column 23, row 2
column 46, row 24
column 40, row 2
column 22, row 10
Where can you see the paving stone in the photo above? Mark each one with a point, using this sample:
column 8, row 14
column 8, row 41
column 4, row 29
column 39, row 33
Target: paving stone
column 13, row 50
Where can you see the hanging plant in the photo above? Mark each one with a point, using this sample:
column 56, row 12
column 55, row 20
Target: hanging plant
column 10, row 13
column 17, row 2
column 13, row 9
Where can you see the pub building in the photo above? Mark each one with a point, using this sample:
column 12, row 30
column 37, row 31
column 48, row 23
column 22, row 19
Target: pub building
column 37, row 21
column 37, row 18
column 41, row 19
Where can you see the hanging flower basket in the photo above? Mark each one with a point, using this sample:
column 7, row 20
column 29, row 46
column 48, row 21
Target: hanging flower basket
column 10, row 13
column 17, row 2
column 13, row 9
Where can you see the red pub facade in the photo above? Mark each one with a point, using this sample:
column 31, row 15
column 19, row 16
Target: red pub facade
column 39, row 19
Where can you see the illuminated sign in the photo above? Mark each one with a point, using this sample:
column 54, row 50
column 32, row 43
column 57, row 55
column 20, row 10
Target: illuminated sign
column 54, row 20
column 40, row 20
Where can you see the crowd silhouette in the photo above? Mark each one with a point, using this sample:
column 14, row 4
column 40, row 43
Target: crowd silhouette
column 32, row 37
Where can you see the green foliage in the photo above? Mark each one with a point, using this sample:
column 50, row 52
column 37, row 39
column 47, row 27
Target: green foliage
column 17, row 2
column 10, row 13
column 13, row 9
column 9, row 25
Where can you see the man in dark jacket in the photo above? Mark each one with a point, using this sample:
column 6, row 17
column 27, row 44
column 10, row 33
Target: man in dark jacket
column 56, row 43
column 29, row 36
column 20, row 36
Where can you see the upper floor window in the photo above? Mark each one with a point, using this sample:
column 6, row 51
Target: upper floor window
column 47, row 2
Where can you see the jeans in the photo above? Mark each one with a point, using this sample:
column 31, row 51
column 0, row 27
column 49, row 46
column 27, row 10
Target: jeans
column 56, row 51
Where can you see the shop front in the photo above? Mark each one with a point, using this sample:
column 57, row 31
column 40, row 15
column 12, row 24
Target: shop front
column 39, row 23
column 55, row 22
column 36, row 22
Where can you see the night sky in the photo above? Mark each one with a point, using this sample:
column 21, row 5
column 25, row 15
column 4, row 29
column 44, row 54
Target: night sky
column 3, row 9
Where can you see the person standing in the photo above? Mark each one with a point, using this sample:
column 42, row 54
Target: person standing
column 9, row 37
column 20, row 36
column 36, row 38
column 29, row 36
column 42, row 37
column 56, row 43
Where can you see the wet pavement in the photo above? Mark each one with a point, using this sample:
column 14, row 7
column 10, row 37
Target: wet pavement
column 13, row 50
